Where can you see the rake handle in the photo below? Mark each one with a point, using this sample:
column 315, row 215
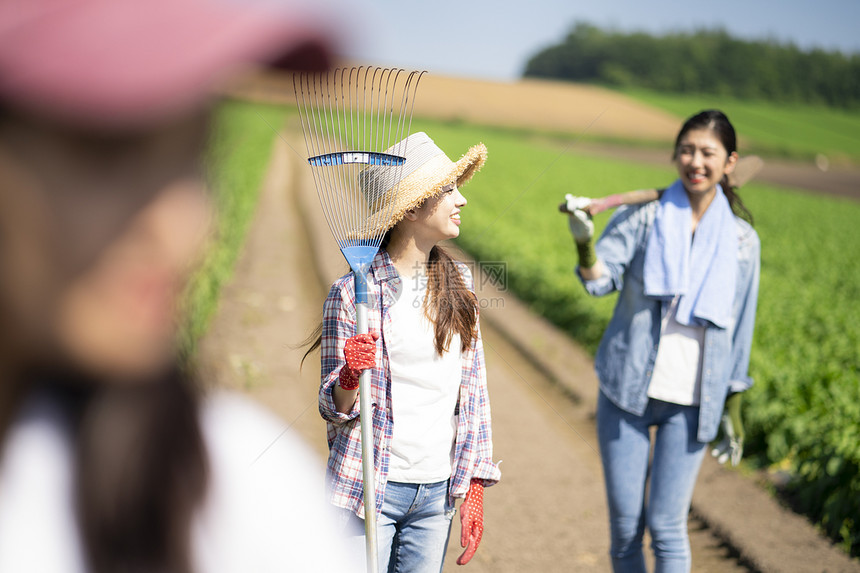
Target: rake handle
column 747, row 167
column 367, row 468
column 628, row 198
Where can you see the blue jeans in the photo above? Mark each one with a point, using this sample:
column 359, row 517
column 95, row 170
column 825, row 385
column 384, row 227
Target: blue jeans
column 413, row 527
column 625, row 443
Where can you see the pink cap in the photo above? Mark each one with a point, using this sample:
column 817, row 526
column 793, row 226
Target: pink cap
column 126, row 63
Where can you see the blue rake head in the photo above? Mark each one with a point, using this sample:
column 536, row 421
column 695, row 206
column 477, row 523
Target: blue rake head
column 358, row 253
column 360, row 258
column 364, row 157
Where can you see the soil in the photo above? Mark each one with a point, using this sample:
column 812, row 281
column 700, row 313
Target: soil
column 548, row 513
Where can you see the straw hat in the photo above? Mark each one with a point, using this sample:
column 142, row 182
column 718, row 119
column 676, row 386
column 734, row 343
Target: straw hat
column 426, row 171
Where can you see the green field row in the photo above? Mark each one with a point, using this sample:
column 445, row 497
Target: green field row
column 792, row 131
column 236, row 160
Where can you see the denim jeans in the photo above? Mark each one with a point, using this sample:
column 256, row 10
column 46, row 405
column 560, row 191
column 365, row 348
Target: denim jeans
column 625, row 442
column 413, row 527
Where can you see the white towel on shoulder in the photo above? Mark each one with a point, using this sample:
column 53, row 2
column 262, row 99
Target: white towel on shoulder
column 702, row 270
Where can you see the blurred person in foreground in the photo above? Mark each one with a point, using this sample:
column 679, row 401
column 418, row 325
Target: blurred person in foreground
column 111, row 459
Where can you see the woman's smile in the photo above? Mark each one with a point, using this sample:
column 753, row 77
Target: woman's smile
column 702, row 161
column 696, row 177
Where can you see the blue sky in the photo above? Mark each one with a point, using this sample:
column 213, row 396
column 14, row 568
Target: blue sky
column 493, row 39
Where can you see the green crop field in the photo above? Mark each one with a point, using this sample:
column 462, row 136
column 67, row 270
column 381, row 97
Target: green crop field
column 804, row 411
column 792, row 131
column 235, row 163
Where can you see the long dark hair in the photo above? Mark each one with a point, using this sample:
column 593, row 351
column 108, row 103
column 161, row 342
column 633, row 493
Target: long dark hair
column 450, row 306
column 716, row 121
column 140, row 464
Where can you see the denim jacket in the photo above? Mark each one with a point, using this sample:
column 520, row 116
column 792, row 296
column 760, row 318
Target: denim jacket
column 628, row 349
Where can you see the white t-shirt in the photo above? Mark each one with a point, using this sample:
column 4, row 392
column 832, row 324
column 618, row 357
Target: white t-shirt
column 677, row 374
column 424, row 391
column 265, row 509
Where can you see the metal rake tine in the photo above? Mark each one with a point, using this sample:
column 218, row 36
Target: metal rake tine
column 341, row 112
column 310, row 133
column 328, row 114
column 300, row 106
column 390, row 96
column 387, row 117
column 314, row 92
column 361, row 105
column 375, row 101
column 336, row 175
column 322, row 139
column 374, row 95
column 392, row 76
column 399, row 130
column 367, row 107
column 414, row 93
column 406, row 102
column 334, row 143
column 320, row 183
column 352, row 137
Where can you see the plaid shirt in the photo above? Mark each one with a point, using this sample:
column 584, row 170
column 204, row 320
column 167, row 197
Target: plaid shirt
column 473, row 448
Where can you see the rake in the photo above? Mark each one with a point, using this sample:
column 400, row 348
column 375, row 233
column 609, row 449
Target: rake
column 746, row 168
column 354, row 119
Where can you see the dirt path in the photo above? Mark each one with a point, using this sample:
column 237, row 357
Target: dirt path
column 548, row 514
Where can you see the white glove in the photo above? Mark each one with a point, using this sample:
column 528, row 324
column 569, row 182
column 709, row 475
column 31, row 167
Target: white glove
column 579, row 221
column 731, row 447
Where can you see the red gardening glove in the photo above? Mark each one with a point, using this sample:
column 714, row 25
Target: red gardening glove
column 471, row 521
column 360, row 354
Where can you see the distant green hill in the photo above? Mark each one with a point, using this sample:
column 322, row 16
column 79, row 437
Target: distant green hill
column 706, row 62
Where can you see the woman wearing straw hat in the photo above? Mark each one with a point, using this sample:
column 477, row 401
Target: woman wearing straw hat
column 432, row 415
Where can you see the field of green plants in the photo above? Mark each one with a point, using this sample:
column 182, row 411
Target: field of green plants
column 803, row 414
column 792, row 131
column 235, row 163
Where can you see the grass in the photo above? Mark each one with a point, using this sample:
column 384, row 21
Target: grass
column 235, row 163
column 782, row 130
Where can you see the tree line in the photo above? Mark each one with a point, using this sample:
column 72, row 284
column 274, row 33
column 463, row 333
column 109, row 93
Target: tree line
column 704, row 62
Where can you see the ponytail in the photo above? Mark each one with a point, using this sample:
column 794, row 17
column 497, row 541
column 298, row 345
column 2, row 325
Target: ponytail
column 735, row 202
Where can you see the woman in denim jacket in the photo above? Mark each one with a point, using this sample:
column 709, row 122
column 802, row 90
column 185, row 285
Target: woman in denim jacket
column 677, row 348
